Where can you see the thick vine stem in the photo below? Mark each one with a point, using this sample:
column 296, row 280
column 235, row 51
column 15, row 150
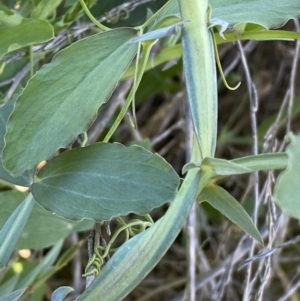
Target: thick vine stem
column 200, row 73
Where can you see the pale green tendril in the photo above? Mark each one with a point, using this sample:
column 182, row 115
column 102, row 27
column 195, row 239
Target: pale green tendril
column 133, row 228
column 119, row 15
column 84, row 140
column 219, row 64
column 92, row 18
column 209, row 14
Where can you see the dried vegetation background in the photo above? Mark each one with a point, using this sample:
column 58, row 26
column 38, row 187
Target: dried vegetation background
column 253, row 119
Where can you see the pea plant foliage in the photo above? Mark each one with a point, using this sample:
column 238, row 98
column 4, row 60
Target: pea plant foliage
column 85, row 186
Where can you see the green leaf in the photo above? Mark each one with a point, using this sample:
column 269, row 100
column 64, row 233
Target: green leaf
column 64, row 259
column 14, row 296
column 42, row 267
column 267, row 13
column 9, row 285
column 62, row 99
column 8, row 17
column 21, row 35
column 104, row 180
column 287, row 188
column 217, row 167
column 60, row 293
column 12, row 229
column 26, row 178
column 45, row 9
column 263, row 161
column 39, row 222
column 137, row 257
column 265, row 35
column 221, row 167
column 226, row 204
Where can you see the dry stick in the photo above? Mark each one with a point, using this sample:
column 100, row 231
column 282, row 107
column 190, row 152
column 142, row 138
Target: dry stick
column 288, row 128
column 253, row 110
column 176, row 102
column 204, row 266
column 272, row 216
column 235, row 257
column 272, row 229
column 167, row 132
column 77, row 265
column 167, row 147
column 272, row 131
column 16, row 81
column 192, row 218
column 290, row 291
column 247, row 49
column 90, row 249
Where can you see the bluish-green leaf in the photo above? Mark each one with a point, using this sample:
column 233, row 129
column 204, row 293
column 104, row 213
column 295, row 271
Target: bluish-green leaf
column 267, row 13
column 26, row 178
column 14, row 296
column 287, row 188
column 137, row 257
column 9, row 17
column 12, row 229
column 9, row 285
column 27, row 32
column 60, row 293
column 104, row 180
column 62, row 99
column 263, row 161
column 221, row 167
column 42, row 229
column 226, row 204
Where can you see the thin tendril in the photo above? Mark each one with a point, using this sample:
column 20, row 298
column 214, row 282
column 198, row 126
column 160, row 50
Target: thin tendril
column 92, row 18
column 219, row 64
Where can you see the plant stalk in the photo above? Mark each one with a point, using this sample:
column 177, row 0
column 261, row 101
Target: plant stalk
column 200, row 73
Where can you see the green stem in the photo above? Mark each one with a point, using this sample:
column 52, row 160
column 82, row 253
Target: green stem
column 200, row 72
column 31, row 61
column 92, row 18
column 146, row 52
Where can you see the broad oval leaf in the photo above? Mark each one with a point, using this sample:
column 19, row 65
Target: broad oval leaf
column 137, row 257
column 39, row 222
column 104, row 180
column 287, row 189
column 17, row 36
column 62, row 99
column 267, row 13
